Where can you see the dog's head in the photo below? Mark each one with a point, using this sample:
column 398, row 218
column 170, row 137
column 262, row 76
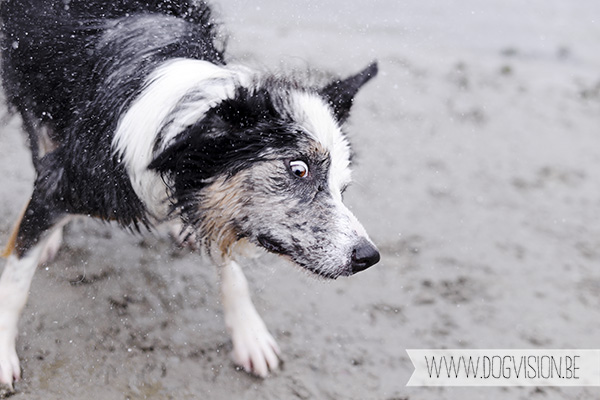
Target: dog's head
column 270, row 165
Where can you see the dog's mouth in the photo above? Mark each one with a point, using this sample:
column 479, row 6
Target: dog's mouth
column 276, row 247
column 272, row 245
column 336, row 273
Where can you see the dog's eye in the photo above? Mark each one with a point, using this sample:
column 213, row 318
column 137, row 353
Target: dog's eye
column 299, row 168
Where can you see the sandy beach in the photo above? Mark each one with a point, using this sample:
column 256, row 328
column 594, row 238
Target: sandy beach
column 477, row 174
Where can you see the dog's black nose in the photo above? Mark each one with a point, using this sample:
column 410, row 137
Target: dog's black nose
column 364, row 255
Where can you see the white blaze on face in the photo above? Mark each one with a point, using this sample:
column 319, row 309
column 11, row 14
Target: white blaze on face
column 315, row 117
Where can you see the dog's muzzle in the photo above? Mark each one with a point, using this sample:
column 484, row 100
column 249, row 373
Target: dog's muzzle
column 364, row 255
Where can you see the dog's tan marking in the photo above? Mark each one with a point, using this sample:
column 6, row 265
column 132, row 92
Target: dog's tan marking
column 220, row 205
column 12, row 240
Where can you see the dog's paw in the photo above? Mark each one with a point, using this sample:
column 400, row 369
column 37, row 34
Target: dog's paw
column 10, row 371
column 254, row 349
column 52, row 246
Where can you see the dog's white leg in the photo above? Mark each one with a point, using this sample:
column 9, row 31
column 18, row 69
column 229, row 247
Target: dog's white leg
column 254, row 349
column 52, row 246
column 14, row 289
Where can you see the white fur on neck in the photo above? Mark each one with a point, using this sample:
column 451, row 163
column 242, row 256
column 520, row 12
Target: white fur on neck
column 152, row 110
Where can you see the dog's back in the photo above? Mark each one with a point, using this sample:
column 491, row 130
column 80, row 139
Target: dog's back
column 71, row 68
column 60, row 59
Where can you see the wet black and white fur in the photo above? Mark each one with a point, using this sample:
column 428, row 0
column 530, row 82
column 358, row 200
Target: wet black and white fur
column 133, row 115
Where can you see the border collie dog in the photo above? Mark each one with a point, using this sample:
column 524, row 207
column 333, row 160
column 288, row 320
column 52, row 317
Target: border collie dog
column 134, row 116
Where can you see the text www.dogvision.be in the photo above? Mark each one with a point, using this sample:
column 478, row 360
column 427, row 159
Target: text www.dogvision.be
column 505, row 367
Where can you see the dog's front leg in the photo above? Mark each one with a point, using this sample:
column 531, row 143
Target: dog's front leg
column 14, row 289
column 37, row 234
column 254, row 349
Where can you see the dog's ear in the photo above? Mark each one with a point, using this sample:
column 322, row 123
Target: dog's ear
column 340, row 93
column 217, row 134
